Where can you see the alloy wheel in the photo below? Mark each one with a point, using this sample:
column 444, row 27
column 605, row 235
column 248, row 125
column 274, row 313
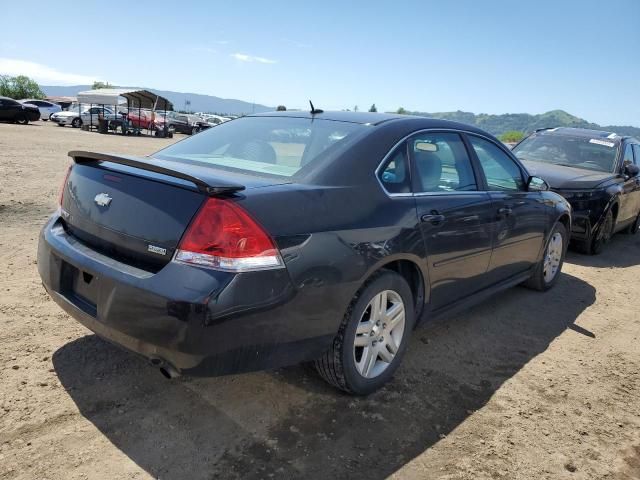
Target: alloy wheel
column 553, row 257
column 379, row 334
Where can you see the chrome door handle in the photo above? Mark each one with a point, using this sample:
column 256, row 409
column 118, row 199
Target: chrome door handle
column 506, row 211
column 434, row 218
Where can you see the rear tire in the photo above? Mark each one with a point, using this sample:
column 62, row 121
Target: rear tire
column 548, row 269
column 372, row 337
column 76, row 123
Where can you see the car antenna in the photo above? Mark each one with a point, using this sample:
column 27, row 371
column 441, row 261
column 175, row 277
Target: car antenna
column 314, row 110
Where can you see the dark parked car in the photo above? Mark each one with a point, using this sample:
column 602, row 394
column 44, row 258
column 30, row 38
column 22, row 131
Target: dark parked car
column 185, row 123
column 597, row 172
column 234, row 251
column 13, row 111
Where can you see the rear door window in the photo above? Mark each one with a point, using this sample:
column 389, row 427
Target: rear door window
column 441, row 163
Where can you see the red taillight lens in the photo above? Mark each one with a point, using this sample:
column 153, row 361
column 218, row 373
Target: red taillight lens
column 225, row 237
column 62, row 187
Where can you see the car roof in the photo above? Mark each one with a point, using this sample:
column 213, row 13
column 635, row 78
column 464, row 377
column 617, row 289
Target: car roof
column 352, row 117
column 414, row 122
column 7, row 98
column 582, row 132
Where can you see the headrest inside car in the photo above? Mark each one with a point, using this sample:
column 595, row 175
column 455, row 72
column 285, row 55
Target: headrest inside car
column 425, row 146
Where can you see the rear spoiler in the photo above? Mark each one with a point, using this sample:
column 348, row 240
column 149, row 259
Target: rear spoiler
column 208, row 188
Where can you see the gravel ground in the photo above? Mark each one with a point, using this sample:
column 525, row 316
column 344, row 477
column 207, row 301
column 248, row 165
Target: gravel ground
column 523, row 386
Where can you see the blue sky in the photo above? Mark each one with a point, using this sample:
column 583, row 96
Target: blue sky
column 479, row 56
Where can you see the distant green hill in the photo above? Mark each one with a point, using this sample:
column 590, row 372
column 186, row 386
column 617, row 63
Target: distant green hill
column 525, row 122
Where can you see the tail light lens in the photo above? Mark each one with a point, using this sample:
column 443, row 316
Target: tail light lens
column 62, row 187
column 224, row 237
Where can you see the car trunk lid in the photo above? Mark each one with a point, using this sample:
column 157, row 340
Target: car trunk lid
column 135, row 210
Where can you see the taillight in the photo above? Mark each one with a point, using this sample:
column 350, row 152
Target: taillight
column 62, row 187
column 224, row 237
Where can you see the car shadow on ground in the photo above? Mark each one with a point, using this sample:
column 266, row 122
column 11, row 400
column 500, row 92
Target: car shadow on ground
column 290, row 424
column 622, row 251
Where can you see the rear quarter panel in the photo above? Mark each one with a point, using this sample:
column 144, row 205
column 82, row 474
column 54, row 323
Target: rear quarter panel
column 333, row 238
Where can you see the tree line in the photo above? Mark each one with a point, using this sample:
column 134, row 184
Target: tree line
column 19, row 87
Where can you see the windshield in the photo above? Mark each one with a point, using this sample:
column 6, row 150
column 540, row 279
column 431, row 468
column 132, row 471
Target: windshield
column 278, row 146
column 580, row 152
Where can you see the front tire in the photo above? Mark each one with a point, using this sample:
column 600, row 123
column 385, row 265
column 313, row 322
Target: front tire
column 634, row 227
column 603, row 235
column 372, row 337
column 548, row 269
column 22, row 120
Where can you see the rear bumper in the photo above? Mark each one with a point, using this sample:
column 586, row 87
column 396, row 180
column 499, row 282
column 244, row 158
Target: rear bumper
column 202, row 322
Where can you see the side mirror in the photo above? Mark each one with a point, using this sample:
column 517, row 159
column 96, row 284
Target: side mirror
column 536, row 184
column 631, row 170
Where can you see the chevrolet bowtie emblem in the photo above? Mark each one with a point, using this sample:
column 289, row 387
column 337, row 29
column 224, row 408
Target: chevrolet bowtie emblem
column 102, row 199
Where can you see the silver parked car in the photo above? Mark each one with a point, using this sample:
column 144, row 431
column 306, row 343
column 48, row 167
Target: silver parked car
column 46, row 108
column 87, row 116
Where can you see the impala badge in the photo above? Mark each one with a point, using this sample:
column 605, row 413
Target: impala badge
column 158, row 250
column 102, row 199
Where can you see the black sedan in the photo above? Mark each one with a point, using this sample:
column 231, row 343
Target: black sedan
column 242, row 248
column 597, row 172
column 13, row 111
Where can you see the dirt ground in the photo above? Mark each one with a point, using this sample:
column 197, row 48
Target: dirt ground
column 524, row 386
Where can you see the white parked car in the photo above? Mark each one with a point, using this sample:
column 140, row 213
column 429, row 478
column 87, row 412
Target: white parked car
column 87, row 116
column 46, row 108
column 214, row 119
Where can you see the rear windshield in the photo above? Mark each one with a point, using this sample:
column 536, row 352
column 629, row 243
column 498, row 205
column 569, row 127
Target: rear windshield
column 279, row 146
column 582, row 152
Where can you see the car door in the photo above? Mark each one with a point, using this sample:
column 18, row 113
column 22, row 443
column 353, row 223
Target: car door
column 454, row 215
column 182, row 123
column 46, row 109
column 628, row 203
column 636, row 192
column 4, row 110
column 10, row 109
column 519, row 217
column 91, row 116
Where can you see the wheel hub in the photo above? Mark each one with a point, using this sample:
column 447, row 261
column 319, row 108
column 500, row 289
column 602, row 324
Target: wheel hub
column 553, row 257
column 379, row 334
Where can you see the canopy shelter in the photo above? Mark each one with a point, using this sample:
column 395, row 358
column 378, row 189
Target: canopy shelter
column 136, row 98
